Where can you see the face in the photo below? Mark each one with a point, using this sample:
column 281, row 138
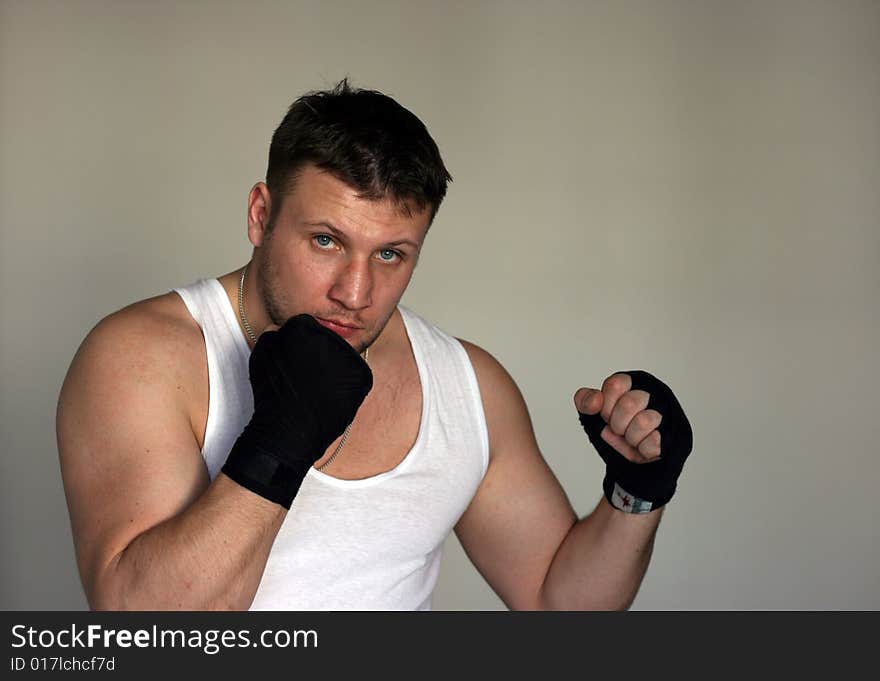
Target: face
column 342, row 259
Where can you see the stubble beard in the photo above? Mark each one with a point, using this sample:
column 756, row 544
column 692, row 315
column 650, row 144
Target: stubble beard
column 265, row 290
column 274, row 305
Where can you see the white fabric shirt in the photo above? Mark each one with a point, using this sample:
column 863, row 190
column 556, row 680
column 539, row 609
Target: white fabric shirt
column 370, row 544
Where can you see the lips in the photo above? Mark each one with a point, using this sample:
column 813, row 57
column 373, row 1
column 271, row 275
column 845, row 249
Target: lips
column 340, row 328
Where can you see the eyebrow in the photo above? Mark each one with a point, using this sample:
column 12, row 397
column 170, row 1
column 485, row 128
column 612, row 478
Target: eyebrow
column 341, row 235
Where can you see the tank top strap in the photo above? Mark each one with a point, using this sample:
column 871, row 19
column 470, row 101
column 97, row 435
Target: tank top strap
column 230, row 400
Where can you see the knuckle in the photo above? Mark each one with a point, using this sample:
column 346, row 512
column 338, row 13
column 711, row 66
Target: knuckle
column 644, row 420
column 649, row 447
column 628, row 401
column 614, row 382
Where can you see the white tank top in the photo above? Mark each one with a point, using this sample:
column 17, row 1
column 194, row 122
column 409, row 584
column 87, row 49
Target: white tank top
column 370, row 544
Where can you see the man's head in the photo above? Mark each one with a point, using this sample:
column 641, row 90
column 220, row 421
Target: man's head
column 354, row 182
column 363, row 138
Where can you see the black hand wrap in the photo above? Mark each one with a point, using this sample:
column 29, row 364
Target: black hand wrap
column 308, row 383
column 642, row 487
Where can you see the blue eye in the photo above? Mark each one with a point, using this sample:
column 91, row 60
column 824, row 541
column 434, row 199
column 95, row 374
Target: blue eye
column 388, row 254
column 323, row 240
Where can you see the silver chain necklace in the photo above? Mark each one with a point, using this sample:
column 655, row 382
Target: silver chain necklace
column 250, row 333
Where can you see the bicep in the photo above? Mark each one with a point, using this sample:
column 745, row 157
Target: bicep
column 520, row 514
column 129, row 458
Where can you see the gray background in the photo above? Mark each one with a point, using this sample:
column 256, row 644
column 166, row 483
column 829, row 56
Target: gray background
column 689, row 188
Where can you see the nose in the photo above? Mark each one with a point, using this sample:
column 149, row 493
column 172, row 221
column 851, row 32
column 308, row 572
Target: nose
column 353, row 287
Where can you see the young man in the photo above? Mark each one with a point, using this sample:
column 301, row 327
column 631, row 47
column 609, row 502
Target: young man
column 288, row 437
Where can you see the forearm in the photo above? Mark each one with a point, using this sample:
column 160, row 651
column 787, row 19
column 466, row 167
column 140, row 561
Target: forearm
column 210, row 557
column 602, row 561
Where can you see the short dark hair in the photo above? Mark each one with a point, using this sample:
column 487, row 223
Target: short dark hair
column 364, row 138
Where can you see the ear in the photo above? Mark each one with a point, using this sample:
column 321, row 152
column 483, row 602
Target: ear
column 259, row 210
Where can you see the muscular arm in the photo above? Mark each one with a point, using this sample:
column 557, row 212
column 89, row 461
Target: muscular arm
column 602, row 561
column 209, row 557
column 150, row 530
column 521, row 532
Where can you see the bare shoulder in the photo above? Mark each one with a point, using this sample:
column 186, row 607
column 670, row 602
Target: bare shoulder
column 490, row 372
column 153, row 342
column 158, row 329
column 479, row 357
column 507, row 417
column 128, row 452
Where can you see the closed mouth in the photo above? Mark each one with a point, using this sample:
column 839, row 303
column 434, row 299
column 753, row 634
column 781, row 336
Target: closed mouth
column 338, row 323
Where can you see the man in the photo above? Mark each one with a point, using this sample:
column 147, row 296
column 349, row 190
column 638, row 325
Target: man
column 287, row 437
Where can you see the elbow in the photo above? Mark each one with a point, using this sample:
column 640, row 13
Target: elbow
column 102, row 598
column 589, row 601
column 120, row 586
column 104, row 586
column 100, row 601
